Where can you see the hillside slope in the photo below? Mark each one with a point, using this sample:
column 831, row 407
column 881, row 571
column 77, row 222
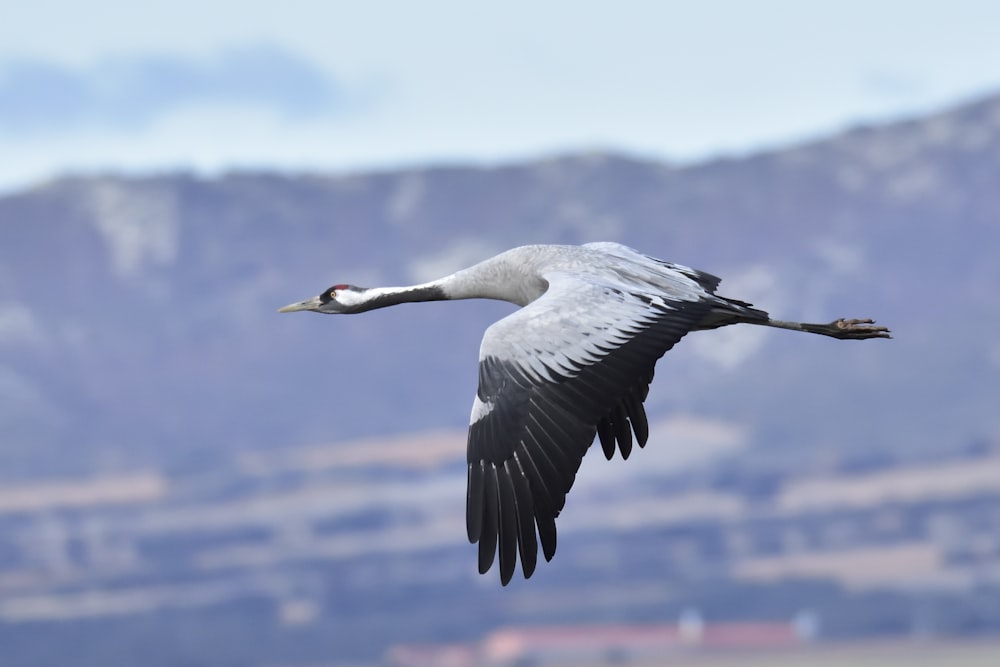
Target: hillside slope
column 138, row 324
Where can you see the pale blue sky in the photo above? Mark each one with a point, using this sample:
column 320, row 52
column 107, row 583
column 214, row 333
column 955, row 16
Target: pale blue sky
column 304, row 84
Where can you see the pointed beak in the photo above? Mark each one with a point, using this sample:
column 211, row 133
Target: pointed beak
column 308, row 304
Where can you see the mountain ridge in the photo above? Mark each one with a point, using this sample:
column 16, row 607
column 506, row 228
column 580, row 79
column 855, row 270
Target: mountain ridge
column 137, row 307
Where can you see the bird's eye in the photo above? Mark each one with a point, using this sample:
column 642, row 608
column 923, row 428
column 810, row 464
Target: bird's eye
column 333, row 294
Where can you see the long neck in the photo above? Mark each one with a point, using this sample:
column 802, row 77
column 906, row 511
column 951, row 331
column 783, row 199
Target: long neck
column 382, row 297
column 499, row 278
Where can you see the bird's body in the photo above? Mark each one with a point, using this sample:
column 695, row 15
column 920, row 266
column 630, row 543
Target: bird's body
column 573, row 363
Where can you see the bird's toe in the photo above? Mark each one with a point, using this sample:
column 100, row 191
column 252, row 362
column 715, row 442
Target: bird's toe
column 860, row 329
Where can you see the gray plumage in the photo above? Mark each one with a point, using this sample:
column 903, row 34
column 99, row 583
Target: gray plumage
column 574, row 363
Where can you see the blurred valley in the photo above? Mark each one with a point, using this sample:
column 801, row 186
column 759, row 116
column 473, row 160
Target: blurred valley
column 187, row 477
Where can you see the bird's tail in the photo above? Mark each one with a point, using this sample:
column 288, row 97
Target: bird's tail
column 726, row 311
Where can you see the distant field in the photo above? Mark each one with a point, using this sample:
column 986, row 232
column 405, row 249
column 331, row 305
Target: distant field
column 876, row 654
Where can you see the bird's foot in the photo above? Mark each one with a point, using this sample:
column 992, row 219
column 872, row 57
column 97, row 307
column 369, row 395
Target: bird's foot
column 856, row 329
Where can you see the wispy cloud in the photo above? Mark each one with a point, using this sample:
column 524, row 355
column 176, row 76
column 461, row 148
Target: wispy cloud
column 133, row 92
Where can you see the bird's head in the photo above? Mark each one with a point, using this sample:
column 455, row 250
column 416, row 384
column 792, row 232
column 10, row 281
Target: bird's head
column 334, row 300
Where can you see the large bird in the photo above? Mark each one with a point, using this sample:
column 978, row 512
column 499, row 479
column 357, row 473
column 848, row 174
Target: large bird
column 573, row 363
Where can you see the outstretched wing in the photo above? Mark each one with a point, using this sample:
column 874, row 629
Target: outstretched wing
column 575, row 362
